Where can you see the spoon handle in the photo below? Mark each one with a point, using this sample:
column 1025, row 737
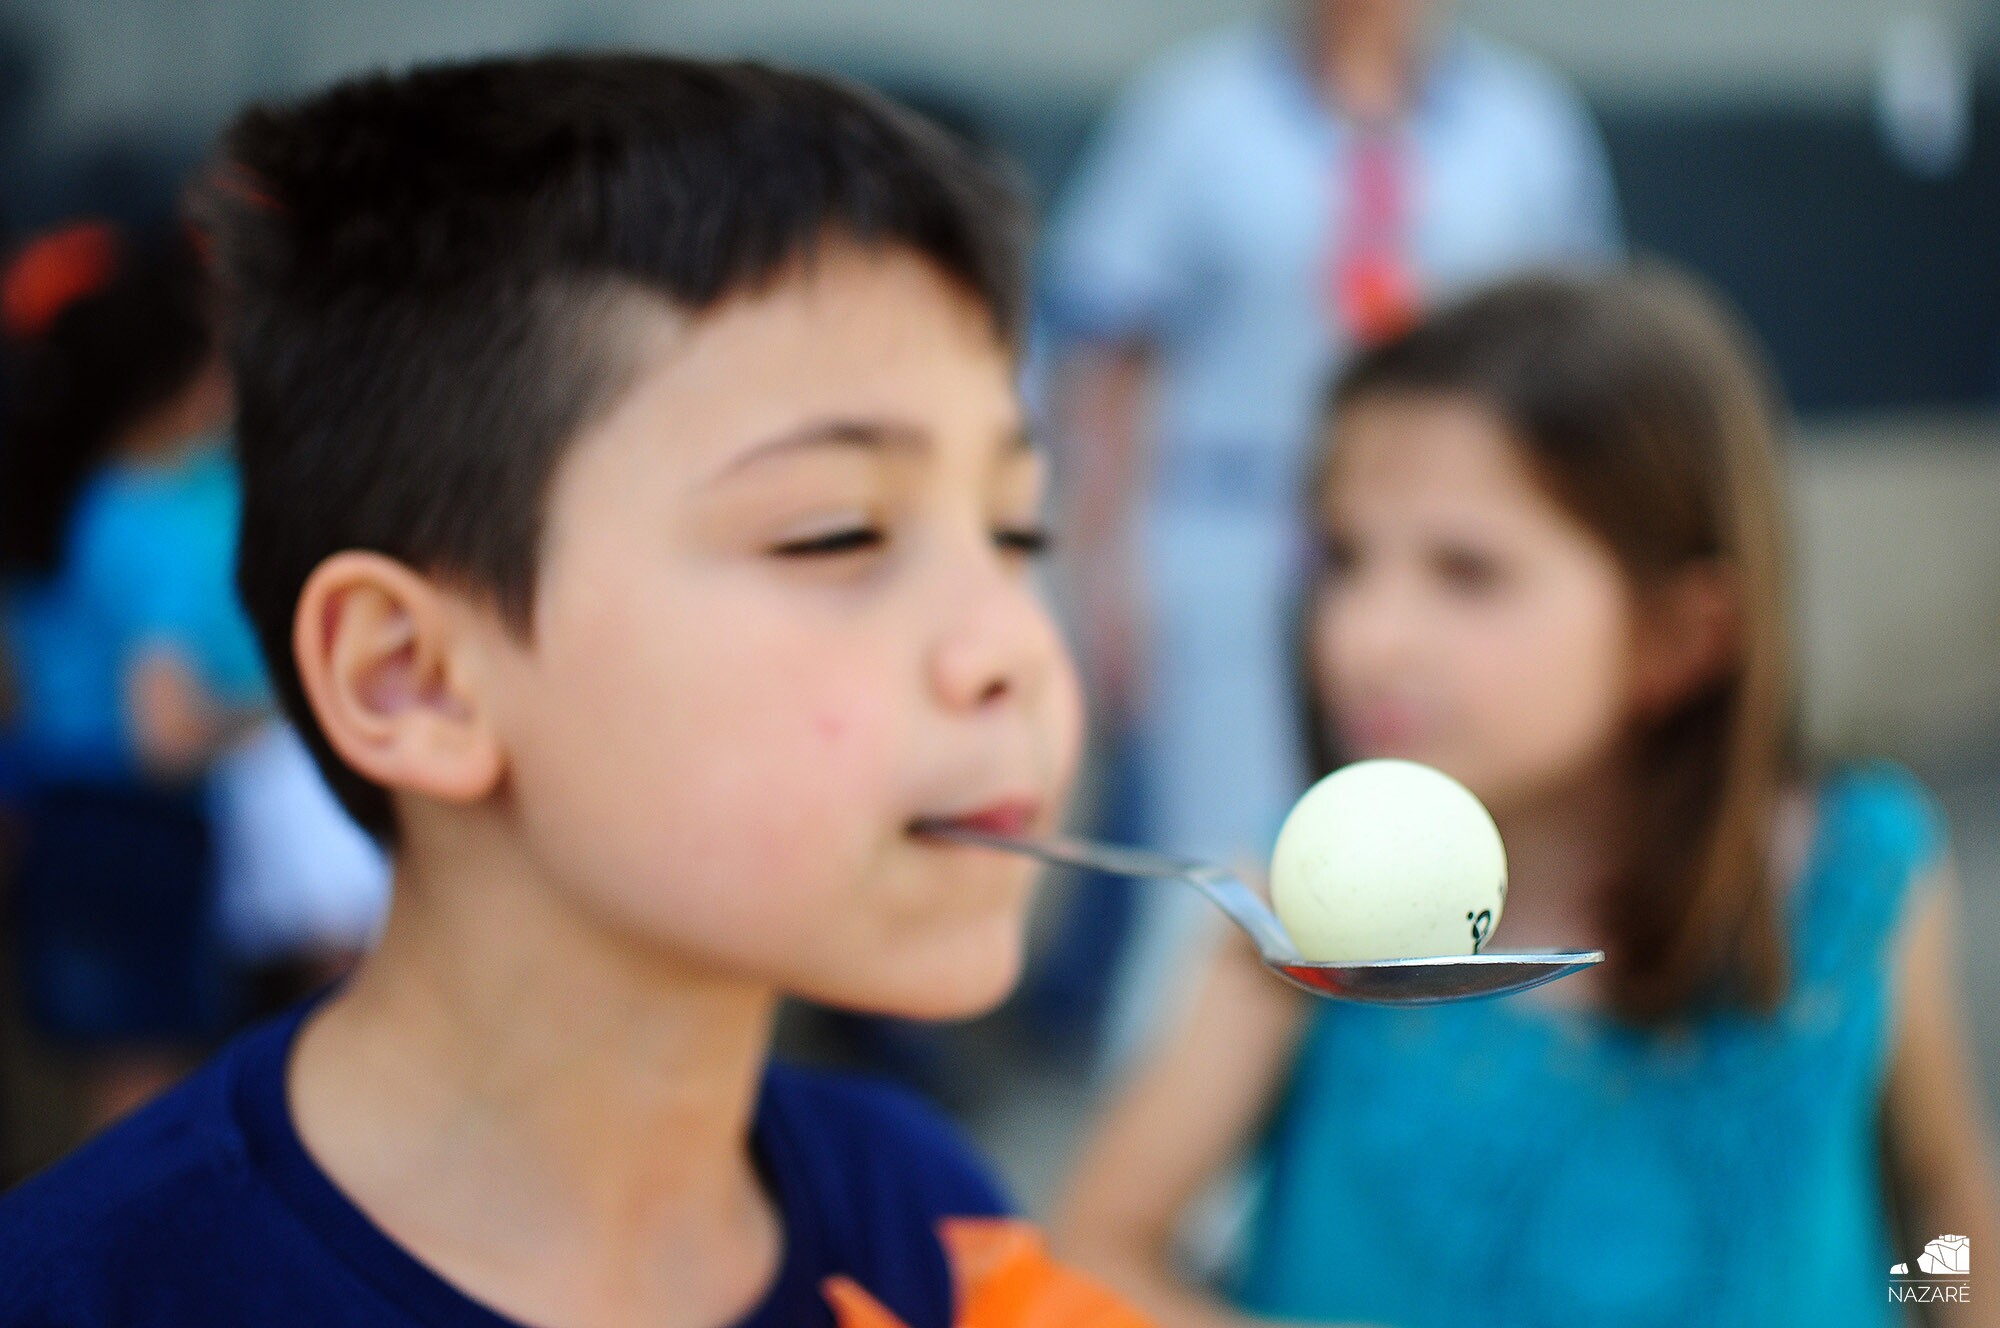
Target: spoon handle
column 1233, row 897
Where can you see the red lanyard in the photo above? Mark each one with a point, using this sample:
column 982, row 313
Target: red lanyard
column 1374, row 293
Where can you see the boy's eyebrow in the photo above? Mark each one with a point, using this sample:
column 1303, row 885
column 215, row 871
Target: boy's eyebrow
column 870, row 435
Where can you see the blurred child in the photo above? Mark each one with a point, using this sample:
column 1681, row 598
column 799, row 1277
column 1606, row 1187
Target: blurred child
column 119, row 496
column 1553, row 568
column 181, row 833
column 130, row 662
column 638, row 523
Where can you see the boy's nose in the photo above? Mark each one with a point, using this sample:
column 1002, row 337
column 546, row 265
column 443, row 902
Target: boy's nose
column 997, row 643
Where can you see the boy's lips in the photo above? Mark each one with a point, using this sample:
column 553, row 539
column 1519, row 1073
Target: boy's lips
column 1008, row 816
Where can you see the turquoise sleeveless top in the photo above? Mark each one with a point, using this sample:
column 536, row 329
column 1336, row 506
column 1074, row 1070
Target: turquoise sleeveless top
column 1502, row 1163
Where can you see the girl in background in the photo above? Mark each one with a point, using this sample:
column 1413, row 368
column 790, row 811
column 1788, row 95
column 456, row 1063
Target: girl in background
column 1553, row 566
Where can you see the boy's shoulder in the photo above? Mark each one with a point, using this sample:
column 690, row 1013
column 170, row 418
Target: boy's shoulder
column 144, row 1185
column 180, row 1139
column 151, row 1208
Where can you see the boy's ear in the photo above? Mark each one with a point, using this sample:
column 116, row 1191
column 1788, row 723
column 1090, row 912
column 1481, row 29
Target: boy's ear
column 1690, row 633
column 385, row 655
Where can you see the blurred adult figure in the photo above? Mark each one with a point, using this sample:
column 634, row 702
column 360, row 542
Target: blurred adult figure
column 1258, row 204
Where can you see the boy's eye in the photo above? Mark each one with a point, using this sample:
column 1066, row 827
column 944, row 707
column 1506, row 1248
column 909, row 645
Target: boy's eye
column 853, row 539
column 1030, row 541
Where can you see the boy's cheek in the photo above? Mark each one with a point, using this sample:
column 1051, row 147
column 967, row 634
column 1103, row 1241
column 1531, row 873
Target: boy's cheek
column 687, row 767
column 1068, row 723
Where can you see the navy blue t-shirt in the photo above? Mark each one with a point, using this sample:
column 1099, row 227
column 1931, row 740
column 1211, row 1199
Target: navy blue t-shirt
column 205, row 1208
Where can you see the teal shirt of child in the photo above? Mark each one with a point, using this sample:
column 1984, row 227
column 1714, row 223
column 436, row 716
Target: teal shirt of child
column 1505, row 1164
column 149, row 563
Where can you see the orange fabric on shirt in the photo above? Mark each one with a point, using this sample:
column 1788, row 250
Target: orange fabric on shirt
column 1004, row 1279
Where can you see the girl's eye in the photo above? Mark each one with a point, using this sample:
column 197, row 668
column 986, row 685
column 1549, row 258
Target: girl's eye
column 1468, row 572
column 1337, row 557
column 855, row 539
column 1030, row 541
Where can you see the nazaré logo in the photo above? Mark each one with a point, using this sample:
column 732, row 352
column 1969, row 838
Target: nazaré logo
column 1946, row 1258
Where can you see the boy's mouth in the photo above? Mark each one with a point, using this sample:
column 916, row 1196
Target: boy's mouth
column 1011, row 816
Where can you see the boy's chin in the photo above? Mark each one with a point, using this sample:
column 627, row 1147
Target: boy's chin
column 941, row 994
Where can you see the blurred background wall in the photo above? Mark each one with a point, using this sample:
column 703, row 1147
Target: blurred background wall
column 1749, row 136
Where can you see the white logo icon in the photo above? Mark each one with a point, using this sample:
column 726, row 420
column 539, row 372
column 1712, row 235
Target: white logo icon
column 1947, row 1256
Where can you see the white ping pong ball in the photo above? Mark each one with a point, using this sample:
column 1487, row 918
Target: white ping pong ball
column 1388, row 860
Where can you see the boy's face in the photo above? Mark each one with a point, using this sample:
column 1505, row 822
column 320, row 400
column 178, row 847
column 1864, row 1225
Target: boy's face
column 785, row 610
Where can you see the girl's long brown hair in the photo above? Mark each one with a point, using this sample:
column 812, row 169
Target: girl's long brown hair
column 1647, row 412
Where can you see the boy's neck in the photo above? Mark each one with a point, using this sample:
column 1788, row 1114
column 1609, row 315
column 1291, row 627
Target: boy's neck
column 537, row 1107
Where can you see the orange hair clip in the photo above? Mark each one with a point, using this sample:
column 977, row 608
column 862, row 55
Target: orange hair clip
column 54, row 271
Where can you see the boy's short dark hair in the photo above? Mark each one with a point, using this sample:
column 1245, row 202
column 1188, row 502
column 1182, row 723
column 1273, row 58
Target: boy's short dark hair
column 421, row 269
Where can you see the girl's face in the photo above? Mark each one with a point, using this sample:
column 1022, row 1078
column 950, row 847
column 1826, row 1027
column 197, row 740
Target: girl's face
column 1465, row 619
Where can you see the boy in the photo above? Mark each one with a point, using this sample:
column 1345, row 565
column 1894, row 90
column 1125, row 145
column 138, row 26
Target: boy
column 637, row 522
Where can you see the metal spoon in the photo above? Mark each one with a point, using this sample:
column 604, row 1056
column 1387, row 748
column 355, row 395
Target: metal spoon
column 1429, row 981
